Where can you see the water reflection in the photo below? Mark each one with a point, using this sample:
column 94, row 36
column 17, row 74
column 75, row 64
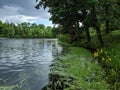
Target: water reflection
column 24, row 63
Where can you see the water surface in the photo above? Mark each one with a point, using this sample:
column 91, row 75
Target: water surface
column 25, row 63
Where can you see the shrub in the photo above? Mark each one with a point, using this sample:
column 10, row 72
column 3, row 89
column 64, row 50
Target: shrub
column 110, row 61
column 103, row 56
column 64, row 37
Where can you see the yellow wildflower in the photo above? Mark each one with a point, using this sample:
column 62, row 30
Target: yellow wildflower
column 101, row 50
column 103, row 58
column 95, row 54
column 109, row 59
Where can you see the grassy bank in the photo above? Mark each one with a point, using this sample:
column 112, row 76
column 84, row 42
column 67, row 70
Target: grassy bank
column 77, row 71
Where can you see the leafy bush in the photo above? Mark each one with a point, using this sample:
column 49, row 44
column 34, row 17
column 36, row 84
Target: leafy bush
column 110, row 61
column 103, row 56
column 64, row 38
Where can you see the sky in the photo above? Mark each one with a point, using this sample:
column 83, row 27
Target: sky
column 18, row 11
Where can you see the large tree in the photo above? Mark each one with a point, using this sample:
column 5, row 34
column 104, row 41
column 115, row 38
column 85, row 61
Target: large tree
column 91, row 13
column 1, row 27
column 108, row 12
column 69, row 13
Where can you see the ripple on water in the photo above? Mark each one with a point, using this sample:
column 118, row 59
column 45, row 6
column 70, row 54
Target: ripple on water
column 24, row 63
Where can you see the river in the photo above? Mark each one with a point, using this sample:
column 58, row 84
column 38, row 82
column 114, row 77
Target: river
column 25, row 63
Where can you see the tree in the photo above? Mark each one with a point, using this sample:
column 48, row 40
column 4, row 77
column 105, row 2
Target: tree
column 1, row 28
column 108, row 13
column 69, row 13
column 8, row 30
column 41, row 26
column 91, row 13
column 25, row 30
column 63, row 13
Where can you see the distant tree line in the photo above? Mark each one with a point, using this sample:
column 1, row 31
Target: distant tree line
column 25, row 30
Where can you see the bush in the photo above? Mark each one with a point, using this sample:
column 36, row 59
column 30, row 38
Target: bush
column 64, row 37
column 110, row 61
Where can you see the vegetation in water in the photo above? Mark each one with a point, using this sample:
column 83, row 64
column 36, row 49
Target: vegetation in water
column 7, row 87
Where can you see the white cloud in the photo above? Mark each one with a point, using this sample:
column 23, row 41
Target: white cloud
column 18, row 11
column 23, row 18
column 17, row 14
column 20, row 18
column 11, row 8
column 8, row 10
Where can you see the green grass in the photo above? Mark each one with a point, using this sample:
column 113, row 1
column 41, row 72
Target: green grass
column 79, row 64
column 1, row 35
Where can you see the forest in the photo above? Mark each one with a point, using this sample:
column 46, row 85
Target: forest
column 25, row 30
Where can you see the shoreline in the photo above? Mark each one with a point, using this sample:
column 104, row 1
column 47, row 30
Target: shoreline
column 30, row 38
column 76, row 70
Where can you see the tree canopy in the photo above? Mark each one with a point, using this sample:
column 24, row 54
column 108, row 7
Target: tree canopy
column 91, row 13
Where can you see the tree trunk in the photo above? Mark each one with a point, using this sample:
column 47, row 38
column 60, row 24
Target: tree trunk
column 86, row 27
column 107, row 26
column 106, row 16
column 96, row 25
column 99, row 35
column 77, row 31
column 87, row 34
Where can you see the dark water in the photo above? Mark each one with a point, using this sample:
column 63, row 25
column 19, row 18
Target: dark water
column 24, row 63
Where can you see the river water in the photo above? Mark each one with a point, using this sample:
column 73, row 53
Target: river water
column 25, row 63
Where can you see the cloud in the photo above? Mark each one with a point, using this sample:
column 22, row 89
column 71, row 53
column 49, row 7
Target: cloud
column 20, row 18
column 11, row 8
column 18, row 11
column 8, row 10
column 23, row 18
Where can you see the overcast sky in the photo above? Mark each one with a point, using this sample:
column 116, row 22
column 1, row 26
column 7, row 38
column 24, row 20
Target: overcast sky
column 18, row 11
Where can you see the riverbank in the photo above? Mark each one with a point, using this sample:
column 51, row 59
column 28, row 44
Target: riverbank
column 76, row 70
column 79, row 70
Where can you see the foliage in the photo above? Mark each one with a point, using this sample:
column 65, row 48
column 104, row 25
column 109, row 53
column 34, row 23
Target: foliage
column 77, row 71
column 102, row 54
column 109, row 60
column 7, row 87
column 56, row 31
column 64, row 37
column 112, row 65
column 25, row 30
column 91, row 13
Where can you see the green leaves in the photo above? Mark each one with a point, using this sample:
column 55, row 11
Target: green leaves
column 90, row 12
column 25, row 30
